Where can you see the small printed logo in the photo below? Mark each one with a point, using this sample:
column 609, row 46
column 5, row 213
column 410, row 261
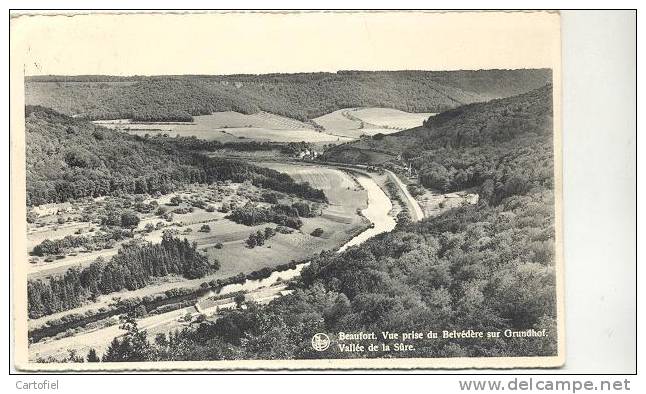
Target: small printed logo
column 320, row 342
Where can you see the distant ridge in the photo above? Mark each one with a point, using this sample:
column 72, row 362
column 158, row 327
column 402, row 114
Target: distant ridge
column 302, row 96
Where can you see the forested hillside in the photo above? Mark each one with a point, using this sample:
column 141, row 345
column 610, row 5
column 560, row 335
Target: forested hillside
column 70, row 158
column 485, row 267
column 299, row 96
column 503, row 147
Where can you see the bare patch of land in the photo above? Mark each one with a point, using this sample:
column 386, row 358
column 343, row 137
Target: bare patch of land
column 434, row 203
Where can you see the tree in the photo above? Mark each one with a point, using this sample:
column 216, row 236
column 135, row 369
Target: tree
column 205, row 228
column 175, row 200
column 317, row 232
column 92, row 357
column 239, row 299
column 303, row 209
column 269, row 232
column 129, row 220
column 260, row 238
column 31, row 216
column 251, row 241
column 133, row 347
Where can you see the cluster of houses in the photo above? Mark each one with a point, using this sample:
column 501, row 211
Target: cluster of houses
column 308, row 154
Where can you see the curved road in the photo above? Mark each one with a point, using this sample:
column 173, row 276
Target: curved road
column 414, row 209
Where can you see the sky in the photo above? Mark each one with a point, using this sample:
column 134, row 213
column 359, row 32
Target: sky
column 260, row 42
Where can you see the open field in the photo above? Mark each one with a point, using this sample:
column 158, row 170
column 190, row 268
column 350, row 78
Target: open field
column 355, row 122
column 225, row 120
column 339, row 187
column 339, row 126
column 391, row 118
column 285, row 135
column 230, row 126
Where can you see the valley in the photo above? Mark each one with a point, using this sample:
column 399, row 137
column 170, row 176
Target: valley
column 212, row 210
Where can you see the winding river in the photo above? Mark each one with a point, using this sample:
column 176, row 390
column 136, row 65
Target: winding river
column 379, row 205
column 377, row 212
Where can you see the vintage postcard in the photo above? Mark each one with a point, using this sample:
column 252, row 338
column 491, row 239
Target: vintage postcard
column 286, row 190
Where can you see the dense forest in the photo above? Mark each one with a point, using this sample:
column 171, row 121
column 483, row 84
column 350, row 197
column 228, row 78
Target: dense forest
column 299, row 96
column 485, row 267
column 281, row 214
column 70, row 158
column 130, row 269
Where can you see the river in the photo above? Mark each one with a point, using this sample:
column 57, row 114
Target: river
column 377, row 212
column 379, row 205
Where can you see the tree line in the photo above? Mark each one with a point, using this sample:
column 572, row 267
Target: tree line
column 131, row 269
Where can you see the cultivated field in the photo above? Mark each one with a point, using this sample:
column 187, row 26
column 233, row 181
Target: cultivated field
column 355, row 122
column 391, row 118
column 339, row 126
column 230, row 126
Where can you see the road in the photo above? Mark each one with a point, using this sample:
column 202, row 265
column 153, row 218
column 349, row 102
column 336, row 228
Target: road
column 414, row 209
column 165, row 322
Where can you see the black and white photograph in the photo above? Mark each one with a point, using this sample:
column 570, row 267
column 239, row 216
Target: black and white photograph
column 295, row 190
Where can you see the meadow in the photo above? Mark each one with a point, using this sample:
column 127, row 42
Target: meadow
column 336, row 127
column 357, row 122
column 230, row 126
